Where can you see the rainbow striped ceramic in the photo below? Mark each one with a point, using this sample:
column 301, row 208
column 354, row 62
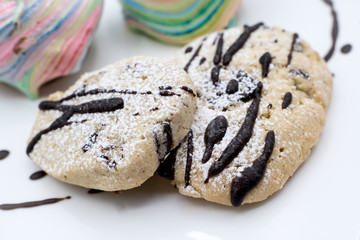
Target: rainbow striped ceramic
column 44, row 39
column 179, row 21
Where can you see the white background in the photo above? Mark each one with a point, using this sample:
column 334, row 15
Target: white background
column 321, row 201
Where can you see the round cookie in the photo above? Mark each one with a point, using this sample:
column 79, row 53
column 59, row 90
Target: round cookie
column 262, row 96
column 112, row 128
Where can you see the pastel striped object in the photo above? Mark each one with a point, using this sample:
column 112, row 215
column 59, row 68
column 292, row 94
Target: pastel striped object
column 179, row 21
column 41, row 40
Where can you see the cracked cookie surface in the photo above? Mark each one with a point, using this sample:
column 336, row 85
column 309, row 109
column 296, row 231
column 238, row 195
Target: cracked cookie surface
column 262, row 95
column 113, row 127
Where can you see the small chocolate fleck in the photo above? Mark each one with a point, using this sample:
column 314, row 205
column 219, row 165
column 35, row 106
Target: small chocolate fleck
column 154, row 109
column 232, row 87
column 346, row 48
column 37, row 175
column 202, row 60
column 4, row 154
column 287, row 100
column 94, row 191
column 188, row 49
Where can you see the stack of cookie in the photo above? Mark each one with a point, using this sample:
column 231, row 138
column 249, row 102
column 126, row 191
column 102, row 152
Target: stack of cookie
column 229, row 120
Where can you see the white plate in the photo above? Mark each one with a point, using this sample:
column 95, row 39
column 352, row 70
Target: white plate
column 321, row 201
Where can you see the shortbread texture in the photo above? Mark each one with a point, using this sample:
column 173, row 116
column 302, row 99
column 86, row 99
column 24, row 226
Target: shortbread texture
column 119, row 148
column 296, row 90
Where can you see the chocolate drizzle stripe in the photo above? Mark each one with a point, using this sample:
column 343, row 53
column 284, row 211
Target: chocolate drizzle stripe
column 37, row 175
column 219, row 47
column 295, row 37
column 215, row 72
column 265, row 61
column 214, row 133
column 97, row 106
column 334, row 30
column 251, row 176
column 240, row 140
column 4, row 154
column 189, row 90
column 239, row 43
column 12, row 206
column 94, row 191
column 189, row 157
column 202, row 60
column 287, row 100
column 186, row 68
column 167, row 93
column 96, row 91
column 167, row 167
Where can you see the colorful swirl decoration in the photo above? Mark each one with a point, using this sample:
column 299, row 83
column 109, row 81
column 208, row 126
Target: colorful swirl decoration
column 41, row 40
column 179, row 21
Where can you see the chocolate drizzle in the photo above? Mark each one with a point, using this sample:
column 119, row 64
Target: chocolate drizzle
column 239, row 43
column 37, row 175
column 214, row 133
column 96, row 106
column 4, row 154
column 167, row 167
column 346, row 48
column 188, row 49
column 202, row 60
column 189, row 157
column 90, row 143
column 265, row 61
column 163, row 140
column 189, row 90
column 251, row 176
column 287, row 100
column 94, row 191
column 232, row 87
column 334, row 31
column 240, row 140
column 215, row 71
column 12, row 206
column 166, row 93
column 186, row 68
column 219, row 47
column 295, row 37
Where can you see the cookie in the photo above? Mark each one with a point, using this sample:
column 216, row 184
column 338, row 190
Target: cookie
column 262, row 95
column 113, row 127
column 44, row 40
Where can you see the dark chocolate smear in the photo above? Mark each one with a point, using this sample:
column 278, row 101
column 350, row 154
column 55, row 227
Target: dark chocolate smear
column 240, row 140
column 154, row 109
column 215, row 71
column 108, row 161
column 91, row 141
column 186, row 68
column 189, row 90
column 290, row 55
column 251, row 176
column 163, row 140
column 166, row 93
column 94, row 191
column 214, row 133
column 189, row 157
column 232, row 87
column 97, row 106
column 346, row 48
column 287, row 100
column 202, row 60
column 188, row 49
column 165, row 87
column 219, row 47
column 11, row 206
column 239, row 43
column 37, row 175
column 265, row 61
column 4, row 154
column 334, row 30
column 167, row 167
